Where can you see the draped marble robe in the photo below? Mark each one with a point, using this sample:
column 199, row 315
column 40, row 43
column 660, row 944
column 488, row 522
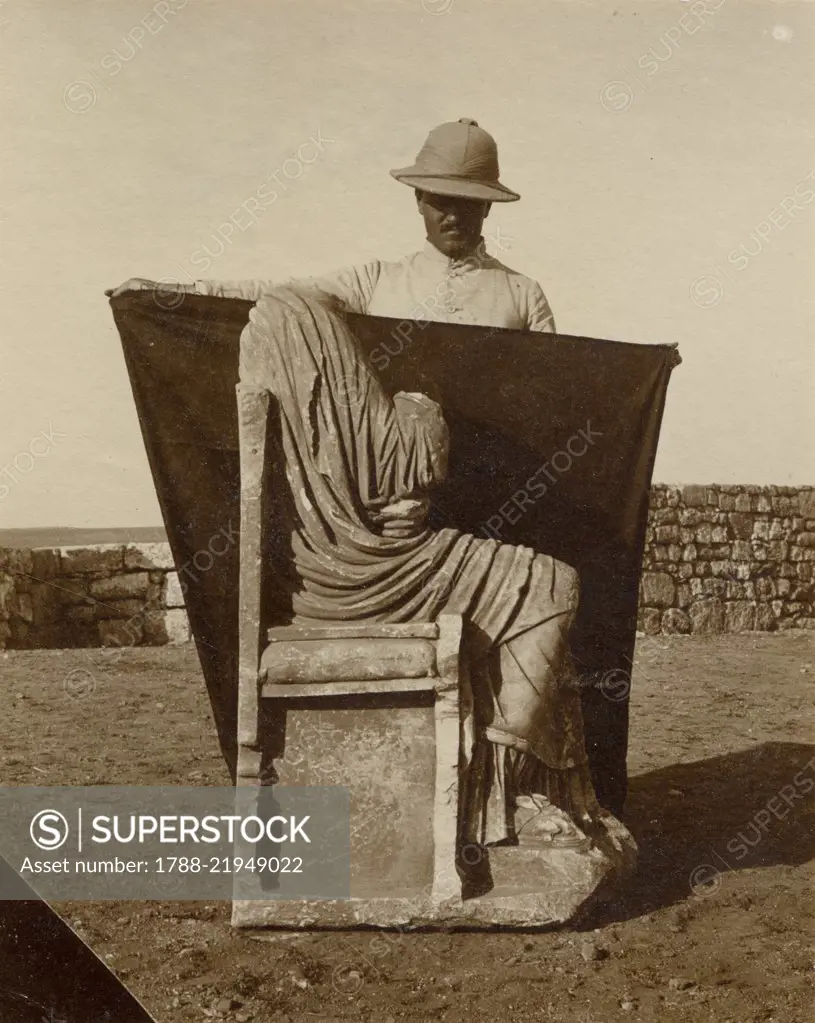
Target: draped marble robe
column 350, row 450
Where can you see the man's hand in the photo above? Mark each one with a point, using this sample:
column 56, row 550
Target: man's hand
column 134, row 284
column 142, row 284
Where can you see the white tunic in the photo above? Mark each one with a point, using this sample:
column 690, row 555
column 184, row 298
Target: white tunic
column 426, row 285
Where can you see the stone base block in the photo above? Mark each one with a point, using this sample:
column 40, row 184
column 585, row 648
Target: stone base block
column 386, row 755
column 531, row 888
column 521, row 910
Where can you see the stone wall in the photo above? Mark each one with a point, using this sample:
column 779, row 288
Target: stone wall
column 717, row 559
column 105, row 595
column 728, row 559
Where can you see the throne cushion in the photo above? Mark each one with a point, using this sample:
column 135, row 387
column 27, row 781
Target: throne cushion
column 344, row 653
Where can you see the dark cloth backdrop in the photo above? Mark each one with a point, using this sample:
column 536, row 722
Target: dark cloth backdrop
column 579, row 417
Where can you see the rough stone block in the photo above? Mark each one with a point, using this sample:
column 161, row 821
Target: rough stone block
column 664, row 516
column 765, row 588
column 123, row 586
column 666, row 534
column 741, row 551
column 20, row 637
column 45, row 562
column 81, row 613
column 689, row 517
column 7, row 591
column 154, row 589
column 115, row 632
column 719, row 534
column 649, row 621
column 672, row 496
column 23, row 607
column 675, row 622
column 99, row 560
column 704, row 532
column 148, row 555
column 806, row 623
column 674, row 552
column 694, row 496
column 727, row 502
column 804, row 570
column 74, row 590
column 658, row 589
column 765, row 619
column 743, row 503
column 739, row 616
column 173, row 593
column 687, row 534
column 806, row 503
column 162, row 627
column 119, row 609
column 46, row 604
column 684, row 596
column 707, row 616
column 776, row 550
column 761, row 529
column 689, row 553
column 777, row 531
column 685, row 571
column 741, row 525
column 714, row 587
column 17, row 561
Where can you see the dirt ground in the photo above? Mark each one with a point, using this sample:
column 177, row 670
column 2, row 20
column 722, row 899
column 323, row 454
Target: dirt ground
column 716, row 925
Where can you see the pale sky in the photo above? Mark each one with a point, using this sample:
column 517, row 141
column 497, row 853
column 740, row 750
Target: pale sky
column 654, row 149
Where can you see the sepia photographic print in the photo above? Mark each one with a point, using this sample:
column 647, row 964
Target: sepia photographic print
column 407, row 520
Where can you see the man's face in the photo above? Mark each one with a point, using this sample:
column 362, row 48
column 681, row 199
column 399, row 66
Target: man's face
column 452, row 225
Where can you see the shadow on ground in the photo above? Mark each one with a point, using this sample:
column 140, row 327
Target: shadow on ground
column 698, row 821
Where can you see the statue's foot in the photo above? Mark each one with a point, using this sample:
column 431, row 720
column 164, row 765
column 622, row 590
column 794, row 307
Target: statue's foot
column 538, row 822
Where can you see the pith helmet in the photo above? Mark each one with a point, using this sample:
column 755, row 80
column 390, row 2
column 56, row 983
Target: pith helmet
column 458, row 159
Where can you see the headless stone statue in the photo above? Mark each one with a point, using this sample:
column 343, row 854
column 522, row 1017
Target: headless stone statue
column 359, row 464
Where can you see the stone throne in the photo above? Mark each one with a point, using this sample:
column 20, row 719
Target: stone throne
column 384, row 712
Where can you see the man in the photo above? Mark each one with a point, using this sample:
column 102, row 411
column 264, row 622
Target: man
column 452, row 279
